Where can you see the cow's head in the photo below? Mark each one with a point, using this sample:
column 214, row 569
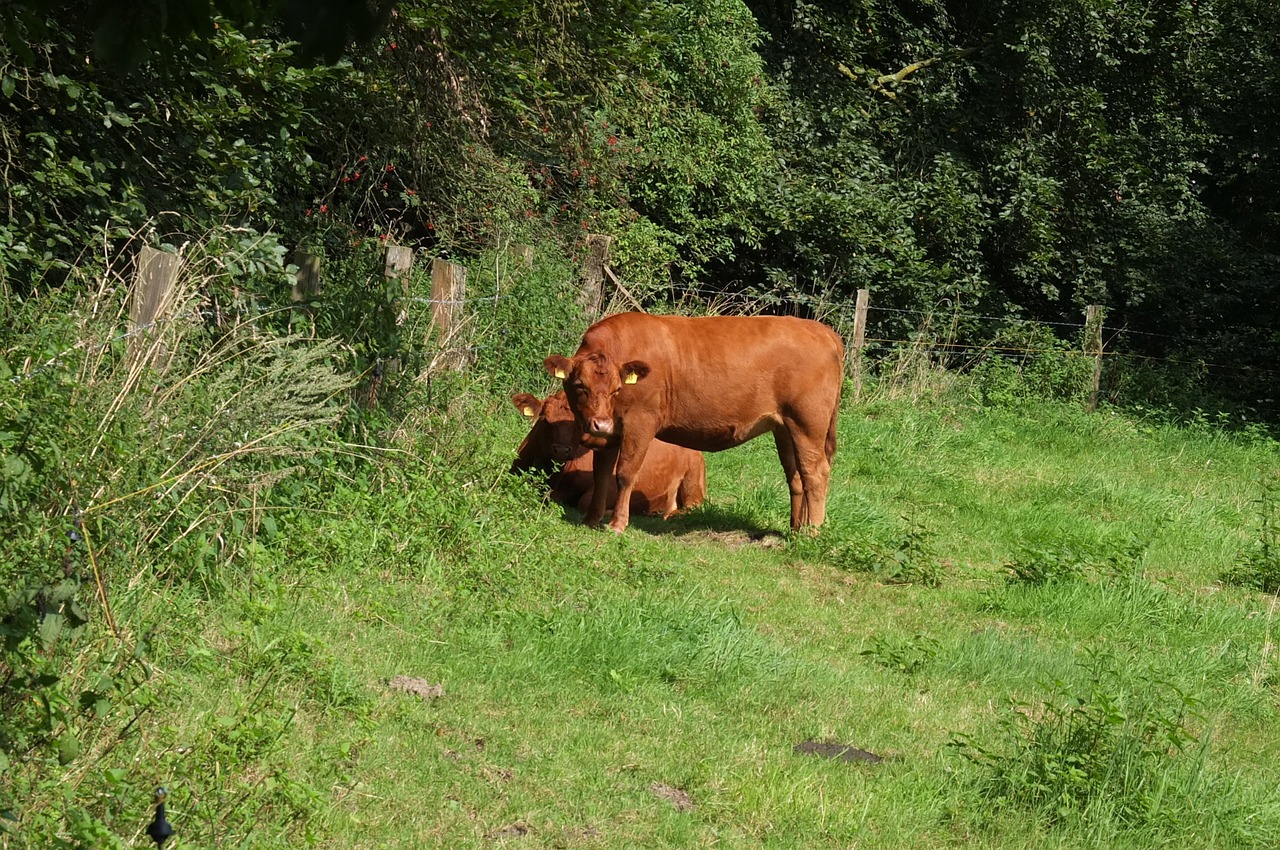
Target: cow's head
column 592, row 384
column 554, row 432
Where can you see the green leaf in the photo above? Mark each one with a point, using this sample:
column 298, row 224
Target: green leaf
column 68, row 746
column 51, row 626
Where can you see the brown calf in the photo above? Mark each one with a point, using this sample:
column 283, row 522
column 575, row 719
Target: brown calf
column 672, row 478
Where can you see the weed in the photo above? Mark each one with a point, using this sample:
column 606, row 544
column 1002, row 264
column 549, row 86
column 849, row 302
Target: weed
column 1259, row 568
column 1043, row 565
column 904, row 558
column 1039, row 567
column 907, row 655
column 1103, row 747
column 910, row 559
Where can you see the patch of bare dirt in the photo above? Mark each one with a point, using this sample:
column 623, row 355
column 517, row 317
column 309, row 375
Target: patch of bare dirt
column 836, row 750
column 736, row 538
column 418, row 687
column 519, row 829
column 680, row 799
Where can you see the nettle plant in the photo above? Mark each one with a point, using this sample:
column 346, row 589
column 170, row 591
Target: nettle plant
column 1259, row 567
column 1107, row 746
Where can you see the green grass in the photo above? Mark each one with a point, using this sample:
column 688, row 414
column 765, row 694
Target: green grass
column 580, row 669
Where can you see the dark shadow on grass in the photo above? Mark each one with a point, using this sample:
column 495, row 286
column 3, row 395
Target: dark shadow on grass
column 715, row 518
column 721, row 523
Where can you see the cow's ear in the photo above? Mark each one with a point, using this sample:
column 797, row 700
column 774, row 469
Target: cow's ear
column 635, row 370
column 528, row 405
column 558, row 366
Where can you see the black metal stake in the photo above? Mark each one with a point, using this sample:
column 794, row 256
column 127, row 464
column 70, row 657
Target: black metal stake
column 160, row 829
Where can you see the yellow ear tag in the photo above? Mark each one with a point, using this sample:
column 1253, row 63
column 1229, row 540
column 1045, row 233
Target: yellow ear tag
column 560, row 374
column 631, row 378
column 528, row 411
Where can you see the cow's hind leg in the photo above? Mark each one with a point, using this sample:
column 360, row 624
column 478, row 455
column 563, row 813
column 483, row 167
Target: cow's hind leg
column 814, row 468
column 791, row 468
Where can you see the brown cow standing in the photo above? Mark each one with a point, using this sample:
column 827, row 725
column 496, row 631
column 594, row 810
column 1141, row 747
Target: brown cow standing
column 709, row 384
column 672, row 478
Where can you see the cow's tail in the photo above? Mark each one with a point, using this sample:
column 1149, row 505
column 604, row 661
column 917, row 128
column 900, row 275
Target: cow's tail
column 835, row 414
column 831, row 432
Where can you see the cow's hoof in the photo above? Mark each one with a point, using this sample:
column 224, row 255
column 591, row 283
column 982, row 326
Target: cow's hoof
column 616, row 529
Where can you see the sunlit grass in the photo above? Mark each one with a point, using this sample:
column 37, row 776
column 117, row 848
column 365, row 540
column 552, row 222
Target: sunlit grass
column 580, row 670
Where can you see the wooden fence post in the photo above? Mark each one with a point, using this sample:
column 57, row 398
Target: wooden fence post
column 1093, row 345
column 398, row 265
column 448, row 293
column 592, row 297
column 859, row 341
column 306, row 283
column 151, row 302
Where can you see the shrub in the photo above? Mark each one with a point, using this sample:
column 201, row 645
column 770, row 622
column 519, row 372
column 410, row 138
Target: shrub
column 1259, row 568
column 1030, row 364
column 1104, row 747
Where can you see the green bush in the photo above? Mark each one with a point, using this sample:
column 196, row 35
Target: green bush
column 1106, row 749
column 520, row 315
column 1028, row 364
column 1259, row 568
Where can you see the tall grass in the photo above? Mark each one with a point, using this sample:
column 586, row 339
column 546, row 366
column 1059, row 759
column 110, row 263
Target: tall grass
column 159, row 452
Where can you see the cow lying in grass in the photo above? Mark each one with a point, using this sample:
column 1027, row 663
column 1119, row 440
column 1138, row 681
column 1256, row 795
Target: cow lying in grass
column 672, row 478
column 707, row 384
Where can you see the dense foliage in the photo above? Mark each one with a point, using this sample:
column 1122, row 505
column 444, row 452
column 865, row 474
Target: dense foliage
column 998, row 159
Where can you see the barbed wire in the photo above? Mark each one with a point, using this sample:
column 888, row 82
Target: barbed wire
column 938, row 347
column 951, row 313
column 933, row 347
column 844, row 308
column 458, row 301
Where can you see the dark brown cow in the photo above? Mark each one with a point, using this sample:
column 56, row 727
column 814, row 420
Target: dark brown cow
column 672, row 478
column 708, row 384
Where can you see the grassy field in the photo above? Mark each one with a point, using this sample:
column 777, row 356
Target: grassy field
column 1019, row 612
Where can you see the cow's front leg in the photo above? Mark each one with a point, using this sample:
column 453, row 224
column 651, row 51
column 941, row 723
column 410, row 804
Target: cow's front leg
column 630, row 459
column 603, row 462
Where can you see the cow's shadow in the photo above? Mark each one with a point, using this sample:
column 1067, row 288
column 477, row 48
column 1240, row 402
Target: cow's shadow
column 722, row 523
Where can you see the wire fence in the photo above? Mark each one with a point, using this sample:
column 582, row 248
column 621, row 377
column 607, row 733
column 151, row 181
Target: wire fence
column 936, row 335
column 828, row 307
